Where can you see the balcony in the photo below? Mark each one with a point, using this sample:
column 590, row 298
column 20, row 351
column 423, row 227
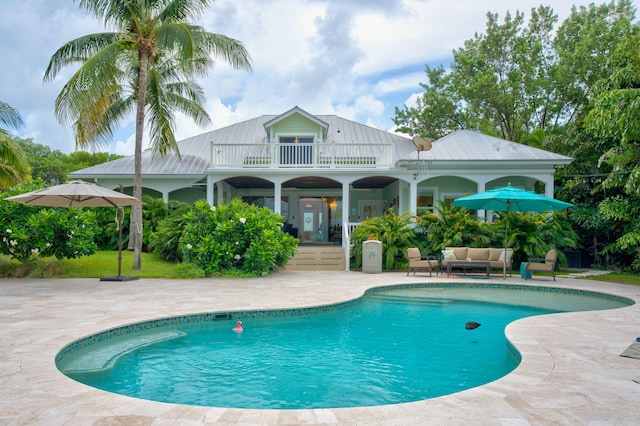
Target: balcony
column 302, row 155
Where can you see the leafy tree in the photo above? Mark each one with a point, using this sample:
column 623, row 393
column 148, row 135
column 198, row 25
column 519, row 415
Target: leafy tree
column 583, row 45
column 53, row 166
column 613, row 119
column 393, row 231
column 501, row 74
column 235, row 237
column 12, row 163
column 521, row 81
column 147, row 65
column 438, row 111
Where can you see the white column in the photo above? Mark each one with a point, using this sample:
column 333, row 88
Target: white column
column 277, row 197
column 413, row 197
column 482, row 214
column 220, row 187
column 548, row 187
column 210, row 190
column 346, row 243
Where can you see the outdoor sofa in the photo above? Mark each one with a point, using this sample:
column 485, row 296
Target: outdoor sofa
column 495, row 256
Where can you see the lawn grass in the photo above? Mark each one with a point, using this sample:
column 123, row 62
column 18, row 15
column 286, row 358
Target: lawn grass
column 105, row 263
column 618, row 277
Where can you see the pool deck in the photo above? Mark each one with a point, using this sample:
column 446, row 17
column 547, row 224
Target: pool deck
column 571, row 372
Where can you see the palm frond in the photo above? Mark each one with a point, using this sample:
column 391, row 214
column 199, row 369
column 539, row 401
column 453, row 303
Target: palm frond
column 9, row 116
column 179, row 10
column 79, row 51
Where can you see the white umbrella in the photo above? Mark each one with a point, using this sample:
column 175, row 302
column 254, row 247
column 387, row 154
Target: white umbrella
column 78, row 193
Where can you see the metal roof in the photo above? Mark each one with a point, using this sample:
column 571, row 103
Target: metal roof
column 195, row 150
column 469, row 145
column 461, row 145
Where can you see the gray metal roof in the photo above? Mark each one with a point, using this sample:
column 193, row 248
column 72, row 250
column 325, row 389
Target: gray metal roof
column 469, row 145
column 461, row 145
column 195, row 150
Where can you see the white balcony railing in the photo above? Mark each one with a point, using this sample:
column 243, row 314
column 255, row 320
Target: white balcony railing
column 312, row 155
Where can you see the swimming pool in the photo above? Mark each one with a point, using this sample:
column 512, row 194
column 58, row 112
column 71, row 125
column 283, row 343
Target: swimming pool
column 397, row 344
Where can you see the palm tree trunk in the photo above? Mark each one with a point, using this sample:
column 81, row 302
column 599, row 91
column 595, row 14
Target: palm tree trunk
column 135, row 228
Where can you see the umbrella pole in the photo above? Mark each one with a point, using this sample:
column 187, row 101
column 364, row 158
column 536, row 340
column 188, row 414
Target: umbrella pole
column 506, row 239
column 119, row 277
column 120, row 215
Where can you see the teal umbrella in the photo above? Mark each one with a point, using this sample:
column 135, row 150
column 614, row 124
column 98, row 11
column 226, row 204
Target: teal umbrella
column 510, row 199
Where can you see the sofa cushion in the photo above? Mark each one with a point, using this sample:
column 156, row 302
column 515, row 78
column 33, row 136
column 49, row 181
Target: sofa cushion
column 478, row 253
column 448, row 255
column 460, row 252
column 494, row 254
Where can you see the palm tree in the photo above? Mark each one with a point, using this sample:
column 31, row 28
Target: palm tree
column 13, row 166
column 148, row 64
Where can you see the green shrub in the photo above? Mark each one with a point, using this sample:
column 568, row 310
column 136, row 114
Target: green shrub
column 235, row 236
column 393, row 231
column 165, row 241
column 31, row 231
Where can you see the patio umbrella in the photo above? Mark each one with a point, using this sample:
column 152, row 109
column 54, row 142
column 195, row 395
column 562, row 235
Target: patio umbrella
column 510, row 199
column 78, row 193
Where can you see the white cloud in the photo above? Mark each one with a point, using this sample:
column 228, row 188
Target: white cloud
column 355, row 58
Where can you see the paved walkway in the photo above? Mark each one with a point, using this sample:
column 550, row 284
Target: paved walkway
column 571, row 372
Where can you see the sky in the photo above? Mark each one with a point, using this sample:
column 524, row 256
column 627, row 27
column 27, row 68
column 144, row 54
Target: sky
column 358, row 59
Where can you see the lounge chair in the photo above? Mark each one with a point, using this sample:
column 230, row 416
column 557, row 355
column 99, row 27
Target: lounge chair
column 548, row 264
column 417, row 261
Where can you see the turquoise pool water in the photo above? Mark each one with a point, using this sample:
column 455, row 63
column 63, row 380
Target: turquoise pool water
column 393, row 345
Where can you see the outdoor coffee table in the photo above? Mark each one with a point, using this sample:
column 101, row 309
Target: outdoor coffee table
column 465, row 264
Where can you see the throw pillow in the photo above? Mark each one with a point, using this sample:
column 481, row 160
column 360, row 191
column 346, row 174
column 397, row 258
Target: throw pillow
column 448, row 255
column 505, row 257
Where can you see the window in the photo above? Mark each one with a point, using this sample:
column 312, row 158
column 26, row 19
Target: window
column 425, row 203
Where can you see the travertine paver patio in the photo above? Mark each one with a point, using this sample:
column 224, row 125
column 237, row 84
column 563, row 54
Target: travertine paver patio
column 571, row 372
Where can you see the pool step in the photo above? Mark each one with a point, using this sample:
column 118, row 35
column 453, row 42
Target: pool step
column 317, row 258
column 421, row 300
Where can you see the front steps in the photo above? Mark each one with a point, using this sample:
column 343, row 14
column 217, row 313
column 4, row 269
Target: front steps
column 317, row 258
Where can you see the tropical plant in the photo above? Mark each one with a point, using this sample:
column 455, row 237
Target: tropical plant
column 235, row 237
column 13, row 168
column 147, row 65
column 533, row 234
column 165, row 241
column 393, row 231
column 451, row 226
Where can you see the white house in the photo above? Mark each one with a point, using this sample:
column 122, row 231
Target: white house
column 329, row 173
